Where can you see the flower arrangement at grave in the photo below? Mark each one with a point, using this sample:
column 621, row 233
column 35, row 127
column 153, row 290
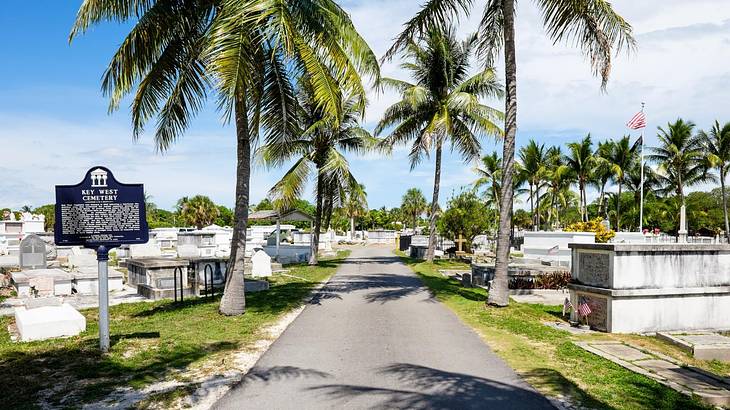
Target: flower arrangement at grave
column 596, row 226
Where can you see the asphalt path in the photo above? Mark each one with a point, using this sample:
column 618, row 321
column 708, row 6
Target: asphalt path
column 374, row 337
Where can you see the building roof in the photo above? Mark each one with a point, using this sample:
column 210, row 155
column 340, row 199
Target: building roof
column 293, row 215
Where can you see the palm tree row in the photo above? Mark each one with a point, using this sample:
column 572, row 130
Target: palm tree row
column 247, row 55
column 682, row 159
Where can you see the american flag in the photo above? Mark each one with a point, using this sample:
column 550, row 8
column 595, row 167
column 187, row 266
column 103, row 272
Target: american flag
column 583, row 308
column 554, row 250
column 567, row 306
column 637, row 121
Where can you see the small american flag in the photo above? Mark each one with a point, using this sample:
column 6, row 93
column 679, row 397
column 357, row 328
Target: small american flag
column 637, row 121
column 554, row 250
column 567, row 306
column 583, row 308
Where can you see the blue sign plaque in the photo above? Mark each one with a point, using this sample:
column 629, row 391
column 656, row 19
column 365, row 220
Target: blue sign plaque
column 100, row 211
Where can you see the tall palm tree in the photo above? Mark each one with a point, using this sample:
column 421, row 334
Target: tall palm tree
column 602, row 173
column 633, row 180
column 581, row 162
column 621, row 158
column 558, row 181
column 413, row 205
column 199, row 211
column 716, row 143
column 245, row 52
column 318, row 152
column 356, row 205
column 490, row 176
column 592, row 25
column 681, row 158
column 442, row 105
column 532, row 166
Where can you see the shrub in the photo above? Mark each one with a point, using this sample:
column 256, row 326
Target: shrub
column 603, row 234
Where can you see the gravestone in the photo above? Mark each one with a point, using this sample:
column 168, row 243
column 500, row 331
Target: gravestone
column 260, row 264
column 32, row 253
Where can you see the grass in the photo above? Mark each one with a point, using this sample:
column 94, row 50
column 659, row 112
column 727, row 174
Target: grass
column 150, row 342
column 546, row 357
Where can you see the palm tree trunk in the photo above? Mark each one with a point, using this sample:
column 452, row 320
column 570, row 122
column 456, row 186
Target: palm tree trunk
column 313, row 260
column 352, row 227
column 724, row 202
column 532, row 207
column 618, row 209
column 498, row 291
column 233, row 301
column 537, row 207
column 434, row 205
column 583, row 205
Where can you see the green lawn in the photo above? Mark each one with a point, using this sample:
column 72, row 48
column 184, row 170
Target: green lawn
column 150, row 342
column 546, row 357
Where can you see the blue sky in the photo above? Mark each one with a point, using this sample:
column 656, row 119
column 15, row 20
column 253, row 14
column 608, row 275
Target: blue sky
column 54, row 123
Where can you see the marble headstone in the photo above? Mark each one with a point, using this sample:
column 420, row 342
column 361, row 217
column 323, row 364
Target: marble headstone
column 32, row 253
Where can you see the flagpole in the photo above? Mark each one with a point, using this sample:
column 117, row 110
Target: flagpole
column 641, row 200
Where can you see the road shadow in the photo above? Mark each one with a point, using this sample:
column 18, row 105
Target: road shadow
column 422, row 387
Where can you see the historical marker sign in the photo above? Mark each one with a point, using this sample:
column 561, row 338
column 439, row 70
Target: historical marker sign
column 100, row 211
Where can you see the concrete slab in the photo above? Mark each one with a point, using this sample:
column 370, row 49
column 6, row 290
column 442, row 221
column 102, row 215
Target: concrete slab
column 711, row 389
column 48, row 322
column 702, row 345
column 623, row 352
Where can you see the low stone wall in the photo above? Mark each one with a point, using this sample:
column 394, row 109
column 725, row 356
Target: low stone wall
column 640, row 288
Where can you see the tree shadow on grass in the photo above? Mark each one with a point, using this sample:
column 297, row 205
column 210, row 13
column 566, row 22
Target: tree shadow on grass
column 552, row 380
column 76, row 372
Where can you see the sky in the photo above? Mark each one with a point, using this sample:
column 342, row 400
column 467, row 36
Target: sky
column 55, row 125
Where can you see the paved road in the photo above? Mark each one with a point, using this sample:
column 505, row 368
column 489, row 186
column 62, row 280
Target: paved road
column 374, row 338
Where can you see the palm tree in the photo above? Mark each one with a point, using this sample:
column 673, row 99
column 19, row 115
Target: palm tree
column 532, row 166
column 602, row 173
column 413, row 205
column 681, row 158
column 716, row 143
column 442, row 105
column 245, row 52
column 199, row 211
column 490, row 175
column 26, row 208
column 581, row 162
column 621, row 158
column 558, row 179
column 633, row 182
column 318, row 152
column 591, row 25
column 356, row 205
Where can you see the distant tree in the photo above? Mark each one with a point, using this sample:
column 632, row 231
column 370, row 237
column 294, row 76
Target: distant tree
column 581, row 162
column 355, row 205
column 199, row 211
column 522, row 219
column 25, row 208
column 532, row 166
column 716, row 143
column 413, row 205
column 225, row 216
column 682, row 159
column 466, row 215
column 49, row 214
column 489, row 176
column 264, row 205
column 621, row 158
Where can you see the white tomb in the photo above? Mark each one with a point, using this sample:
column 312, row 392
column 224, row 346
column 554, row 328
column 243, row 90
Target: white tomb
column 260, row 265
column 642, row 288
column 47, row 322
column 551, row 246
column 47, row 282
column 86, row 280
